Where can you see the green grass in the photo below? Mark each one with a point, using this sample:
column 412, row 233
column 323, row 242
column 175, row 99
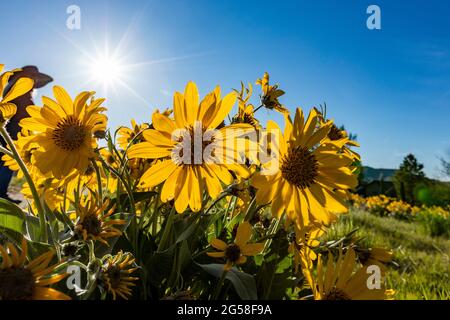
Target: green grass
column 421, row 268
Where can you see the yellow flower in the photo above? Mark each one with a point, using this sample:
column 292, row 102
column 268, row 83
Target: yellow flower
column 340, row 135
column 337, row 281
column 185, row 175
column 50, row 190
column 126, row 135
column 307, row 179
column 245, row 111
column 25, row 149
column 116, row 274
column 237, row 252
column 110, row 158
column 20, row 280
column 305, row 240
column 65, row 131
column 22, row 86
column 378, row 256
column 93, row 223
column 271, row 94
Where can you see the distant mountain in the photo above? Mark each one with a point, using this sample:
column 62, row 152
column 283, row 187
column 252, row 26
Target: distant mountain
column 371, row 174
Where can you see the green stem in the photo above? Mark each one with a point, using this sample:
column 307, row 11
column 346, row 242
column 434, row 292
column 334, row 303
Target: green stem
column 167, row 228
column 99, row 183
column 26, row 174
column 219, row 285
column 6, row 151
column 214, row 203
column 254, row 111
column 251, row 210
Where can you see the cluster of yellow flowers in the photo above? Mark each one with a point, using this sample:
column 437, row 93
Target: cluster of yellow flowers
column 222, row 178
column 384, row 205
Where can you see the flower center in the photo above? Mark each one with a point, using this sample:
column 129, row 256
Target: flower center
column 92, row 224
column 114, row 276
column 192, row 145
column 16, row 283
column 233, row 252
column 70, row 134
column 335, row 133
column 89, row 171
column 336, row 294
column 300, row 167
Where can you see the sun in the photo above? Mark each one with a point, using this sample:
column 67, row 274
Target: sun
column 106, row 70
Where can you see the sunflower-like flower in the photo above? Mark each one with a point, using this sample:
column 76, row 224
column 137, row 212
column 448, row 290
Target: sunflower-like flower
column 238, row 251
column 340, row 134
column 183, row 168
column 65, row 131
column 337, row 281
column 116, row 273
column 22, row 86
column 127, row 135
column 93, row 223
column 379, row 256
column 20, row 280
column 50, row 190
column 269, row 98
column 110, row 158
column 302, row 243
column 307, row 179
column 245, row 110
column 25, row 149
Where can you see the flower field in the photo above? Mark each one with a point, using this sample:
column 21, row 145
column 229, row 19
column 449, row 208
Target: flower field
column 196, row 202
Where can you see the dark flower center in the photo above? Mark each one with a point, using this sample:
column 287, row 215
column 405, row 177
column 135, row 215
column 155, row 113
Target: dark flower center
column 92, row 224
column 16, row 283
column 336, row 294
column 110, row 159
column 335, row 133
column 233, row 252
column 70, row 134
column 114, row 275
column 89, row 171
column 300, row 167
column 70, row 250
column 191, row 145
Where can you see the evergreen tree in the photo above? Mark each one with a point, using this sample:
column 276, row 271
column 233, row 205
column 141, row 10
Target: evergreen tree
column 407, row 177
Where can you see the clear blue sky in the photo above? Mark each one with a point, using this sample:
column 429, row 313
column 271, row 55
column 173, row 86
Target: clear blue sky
column 391, row 86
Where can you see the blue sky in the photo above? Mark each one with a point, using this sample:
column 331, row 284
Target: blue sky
column 391, row 86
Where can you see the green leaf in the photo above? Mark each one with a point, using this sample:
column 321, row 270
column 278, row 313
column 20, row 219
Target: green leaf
column 32, row 227
column 243, row 283
column 11, row 216
column 159, row 265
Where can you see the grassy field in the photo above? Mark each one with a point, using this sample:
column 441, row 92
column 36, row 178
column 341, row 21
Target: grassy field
column 421, row 268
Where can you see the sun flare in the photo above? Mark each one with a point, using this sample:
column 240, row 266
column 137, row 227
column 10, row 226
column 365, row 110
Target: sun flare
column 106, row 70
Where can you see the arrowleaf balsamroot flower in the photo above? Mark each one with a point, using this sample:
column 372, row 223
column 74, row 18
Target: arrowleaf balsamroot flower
column 93, row 223
column 65, row 131
column 185, row 181
column 116, row 273
column 238, row 251
column 20, row 280
column 311, row 178
column 126, row 135
column 269, row 98
column 337, row 281
column 22, row 86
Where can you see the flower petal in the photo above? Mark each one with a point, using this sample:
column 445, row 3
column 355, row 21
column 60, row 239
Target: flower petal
column 218, row 244
column 244, row 233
